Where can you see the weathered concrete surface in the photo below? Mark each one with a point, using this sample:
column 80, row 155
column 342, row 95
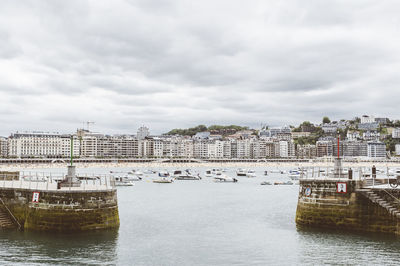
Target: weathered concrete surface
column 326, row 208
column 63, row 210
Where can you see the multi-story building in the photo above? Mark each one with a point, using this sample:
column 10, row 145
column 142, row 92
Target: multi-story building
column 35, row 144
column 143, row 132
column 371, row 135
column 200, row 149
column 376, row 149
column 368, row 126
column 324, row 148
column 353, row 136
column 243, row 149
column 3, row 147
column 306, row 151
column 396, row 133
column 397, row 149
column 366, row 119
column 66, row 146
column 329, row 128
column 353, row 149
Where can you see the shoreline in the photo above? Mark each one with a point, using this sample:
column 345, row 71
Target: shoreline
column 197, row 165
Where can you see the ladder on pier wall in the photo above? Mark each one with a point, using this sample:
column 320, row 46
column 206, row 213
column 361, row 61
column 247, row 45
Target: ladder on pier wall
column 372, row 196
column 5, row 220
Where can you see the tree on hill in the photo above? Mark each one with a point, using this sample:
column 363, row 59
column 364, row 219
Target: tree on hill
column 326, row 120
column 215, row 129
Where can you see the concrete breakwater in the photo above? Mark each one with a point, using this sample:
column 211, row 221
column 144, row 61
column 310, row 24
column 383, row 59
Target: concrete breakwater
column 42, row 206
column 346, row 204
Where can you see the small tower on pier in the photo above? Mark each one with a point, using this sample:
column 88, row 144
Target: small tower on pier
column 70, row 179
column 338, row 169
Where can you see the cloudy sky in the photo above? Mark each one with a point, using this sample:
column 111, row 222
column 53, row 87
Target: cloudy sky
column 172, row 63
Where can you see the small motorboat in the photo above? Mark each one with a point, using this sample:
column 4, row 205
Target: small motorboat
column 149, row 172
column 163, row 180
column 241, row 172
column 163, row 174
column 136, row 172
column 265, row 183
column 128, row 177
column 265, row 172
column 284, row 183
column 251, row 173
column 224, row 178
column 208, row 173
column 294, row 174
column 185, row 175
column 121, row 181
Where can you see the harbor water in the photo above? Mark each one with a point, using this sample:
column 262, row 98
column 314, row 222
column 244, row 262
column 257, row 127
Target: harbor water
column 201, row 223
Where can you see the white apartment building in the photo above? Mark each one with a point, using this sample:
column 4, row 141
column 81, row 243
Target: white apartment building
column 283, row 149
column 376, row 149
column 200, row 149
column 397, row 149
column 66, row 146
column 142, row 132
column 366, row 119
column 227, row 149
column 396, row 133
column 35, row 144
column 158, row 147
column 3, row 147
column 243, row 149
column 88, row 145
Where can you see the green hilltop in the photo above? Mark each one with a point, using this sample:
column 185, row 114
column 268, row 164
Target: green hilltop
column 214, row 129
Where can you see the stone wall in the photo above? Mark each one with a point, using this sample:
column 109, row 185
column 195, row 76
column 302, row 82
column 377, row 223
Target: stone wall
column 326, row 208
column 63, row 210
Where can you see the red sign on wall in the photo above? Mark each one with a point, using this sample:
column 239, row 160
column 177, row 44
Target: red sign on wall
column 35, row 196
column 341, row 187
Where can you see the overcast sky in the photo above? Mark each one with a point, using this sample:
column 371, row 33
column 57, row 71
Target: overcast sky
column 176, row 64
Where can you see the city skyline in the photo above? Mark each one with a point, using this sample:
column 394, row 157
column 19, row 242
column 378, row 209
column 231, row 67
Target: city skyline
column 175, row 64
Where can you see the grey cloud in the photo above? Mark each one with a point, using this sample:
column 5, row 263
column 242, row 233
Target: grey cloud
column 176, row 64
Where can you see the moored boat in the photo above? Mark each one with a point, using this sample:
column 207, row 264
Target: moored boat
column 225, row 178
column 241, row 172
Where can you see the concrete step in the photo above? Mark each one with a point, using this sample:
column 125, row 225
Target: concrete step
column 5, row 220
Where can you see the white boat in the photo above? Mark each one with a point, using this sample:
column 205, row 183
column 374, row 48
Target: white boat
column 294, row 174
column 241, row 172
column 149, row 172
column 136, row 172
column 284, row 183
column 163, row 180
column 213, row 172
column 121, row 181
column 225, row 178
column 127, row 176
column 265, row 183
column 163, row 174
column 208, row 173
column 251, row 173
column 185, row 175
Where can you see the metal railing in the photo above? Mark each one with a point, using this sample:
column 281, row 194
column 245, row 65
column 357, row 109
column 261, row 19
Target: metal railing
column 50, row 181
column 12, row 216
